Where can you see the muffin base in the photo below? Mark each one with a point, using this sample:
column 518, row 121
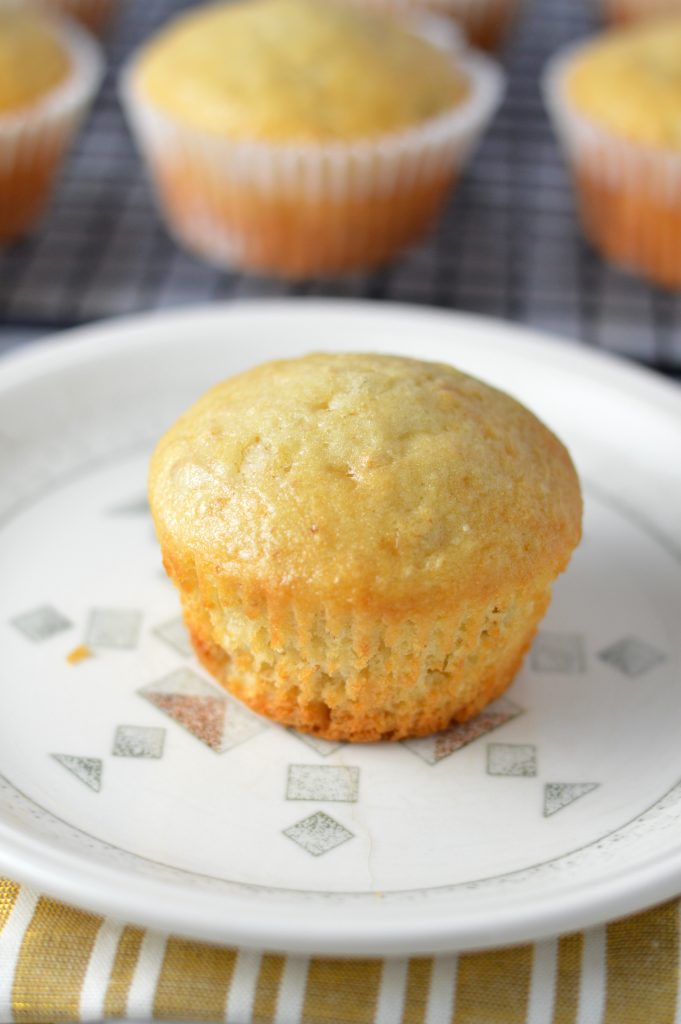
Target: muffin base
column 34, row 141
column 26, row 186
column 373, row 707
column 295, row 236
column 632, row 223
column 628, row 194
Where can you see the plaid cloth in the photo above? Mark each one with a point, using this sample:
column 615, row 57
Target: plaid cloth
column 62, row 964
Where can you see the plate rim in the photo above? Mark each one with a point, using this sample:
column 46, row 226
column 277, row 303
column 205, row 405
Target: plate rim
column 69, row 876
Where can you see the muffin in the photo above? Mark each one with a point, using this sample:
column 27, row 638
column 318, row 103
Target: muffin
column 616, row 105
column 486, row 23
column 363, row 544
column 49, row 71
column 296, row 137
column 625, row 11
column 96, row 15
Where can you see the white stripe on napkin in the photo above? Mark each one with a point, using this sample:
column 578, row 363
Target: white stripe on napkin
column 143, row 988
column 292, row 990
column 442, row 990
column 390, row 1001
column 592, row 984
column 98, row 972
column 242, row 988
column 543, row 984
column 11, row 938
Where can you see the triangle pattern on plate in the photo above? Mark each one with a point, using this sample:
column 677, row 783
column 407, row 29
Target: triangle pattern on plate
column 558, row 795
column 87, row 769
column 215, row 719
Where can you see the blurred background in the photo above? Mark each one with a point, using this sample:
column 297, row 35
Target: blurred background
column 508, row 244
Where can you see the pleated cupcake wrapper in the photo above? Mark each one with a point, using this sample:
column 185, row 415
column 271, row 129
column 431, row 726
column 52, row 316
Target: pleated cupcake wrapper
column 94, row 14
column 322, row 177
column 641, row 182
column 484, row 22
column 34, row 141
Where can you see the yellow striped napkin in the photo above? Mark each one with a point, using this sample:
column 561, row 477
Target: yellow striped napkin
column 58, row 964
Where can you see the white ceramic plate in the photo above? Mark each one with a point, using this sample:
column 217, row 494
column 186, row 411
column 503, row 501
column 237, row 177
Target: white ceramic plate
column 130, row 785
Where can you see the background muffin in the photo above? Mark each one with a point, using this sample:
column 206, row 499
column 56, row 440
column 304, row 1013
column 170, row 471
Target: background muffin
column 616, row 104
column 299, row 137
column 94, row 14
column 486, row 23
column 363, row 545
column 49, row 71
column 624, row 11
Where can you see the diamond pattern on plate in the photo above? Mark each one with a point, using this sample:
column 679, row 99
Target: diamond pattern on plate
column 139, row 741
column 433, row 749
column 511, row 759
column 558, row 795
column 174, row 633
column 41, row 623
column 322, row 782
column 558, row 652
column 631, row 656
column 116, row 628
column 87, row 769
column 321, row 747
column 207, row 713
column 318, row 834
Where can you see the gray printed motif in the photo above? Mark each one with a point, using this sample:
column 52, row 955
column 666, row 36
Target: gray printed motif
column 511, row 759
column 41, row 623
column 433, row 749
column 174, row 633
column 558, row 795
column 87, row 769
column 558, row 652
column 318, row 834
column 321, row 747
column 322, row 782
column 116, row 628
column 139, row 741
column 203, row 709
column 631, row 656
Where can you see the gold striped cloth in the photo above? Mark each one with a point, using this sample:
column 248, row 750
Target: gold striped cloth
column 58, row 964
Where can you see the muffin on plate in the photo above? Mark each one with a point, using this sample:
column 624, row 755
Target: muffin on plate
column 625, row 11
column 49, row 72
column 616, row 105
column 363, row 544
column 486, row 23
column 94, row 14
column 296, row 137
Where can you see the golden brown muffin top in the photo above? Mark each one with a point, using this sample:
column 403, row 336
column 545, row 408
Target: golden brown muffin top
column 295, row 70
column 369, row 481
column 629, row 81
column 32, row 60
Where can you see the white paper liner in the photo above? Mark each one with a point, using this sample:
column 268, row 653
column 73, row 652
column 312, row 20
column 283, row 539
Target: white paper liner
column 617, row 165
column 435, row 29
column 322, row 177
column 38, row 136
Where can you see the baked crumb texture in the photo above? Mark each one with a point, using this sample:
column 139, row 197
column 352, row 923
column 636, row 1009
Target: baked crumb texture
column 364, row 545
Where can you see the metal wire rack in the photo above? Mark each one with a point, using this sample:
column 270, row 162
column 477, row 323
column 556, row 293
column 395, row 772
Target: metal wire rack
column 507, row 245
